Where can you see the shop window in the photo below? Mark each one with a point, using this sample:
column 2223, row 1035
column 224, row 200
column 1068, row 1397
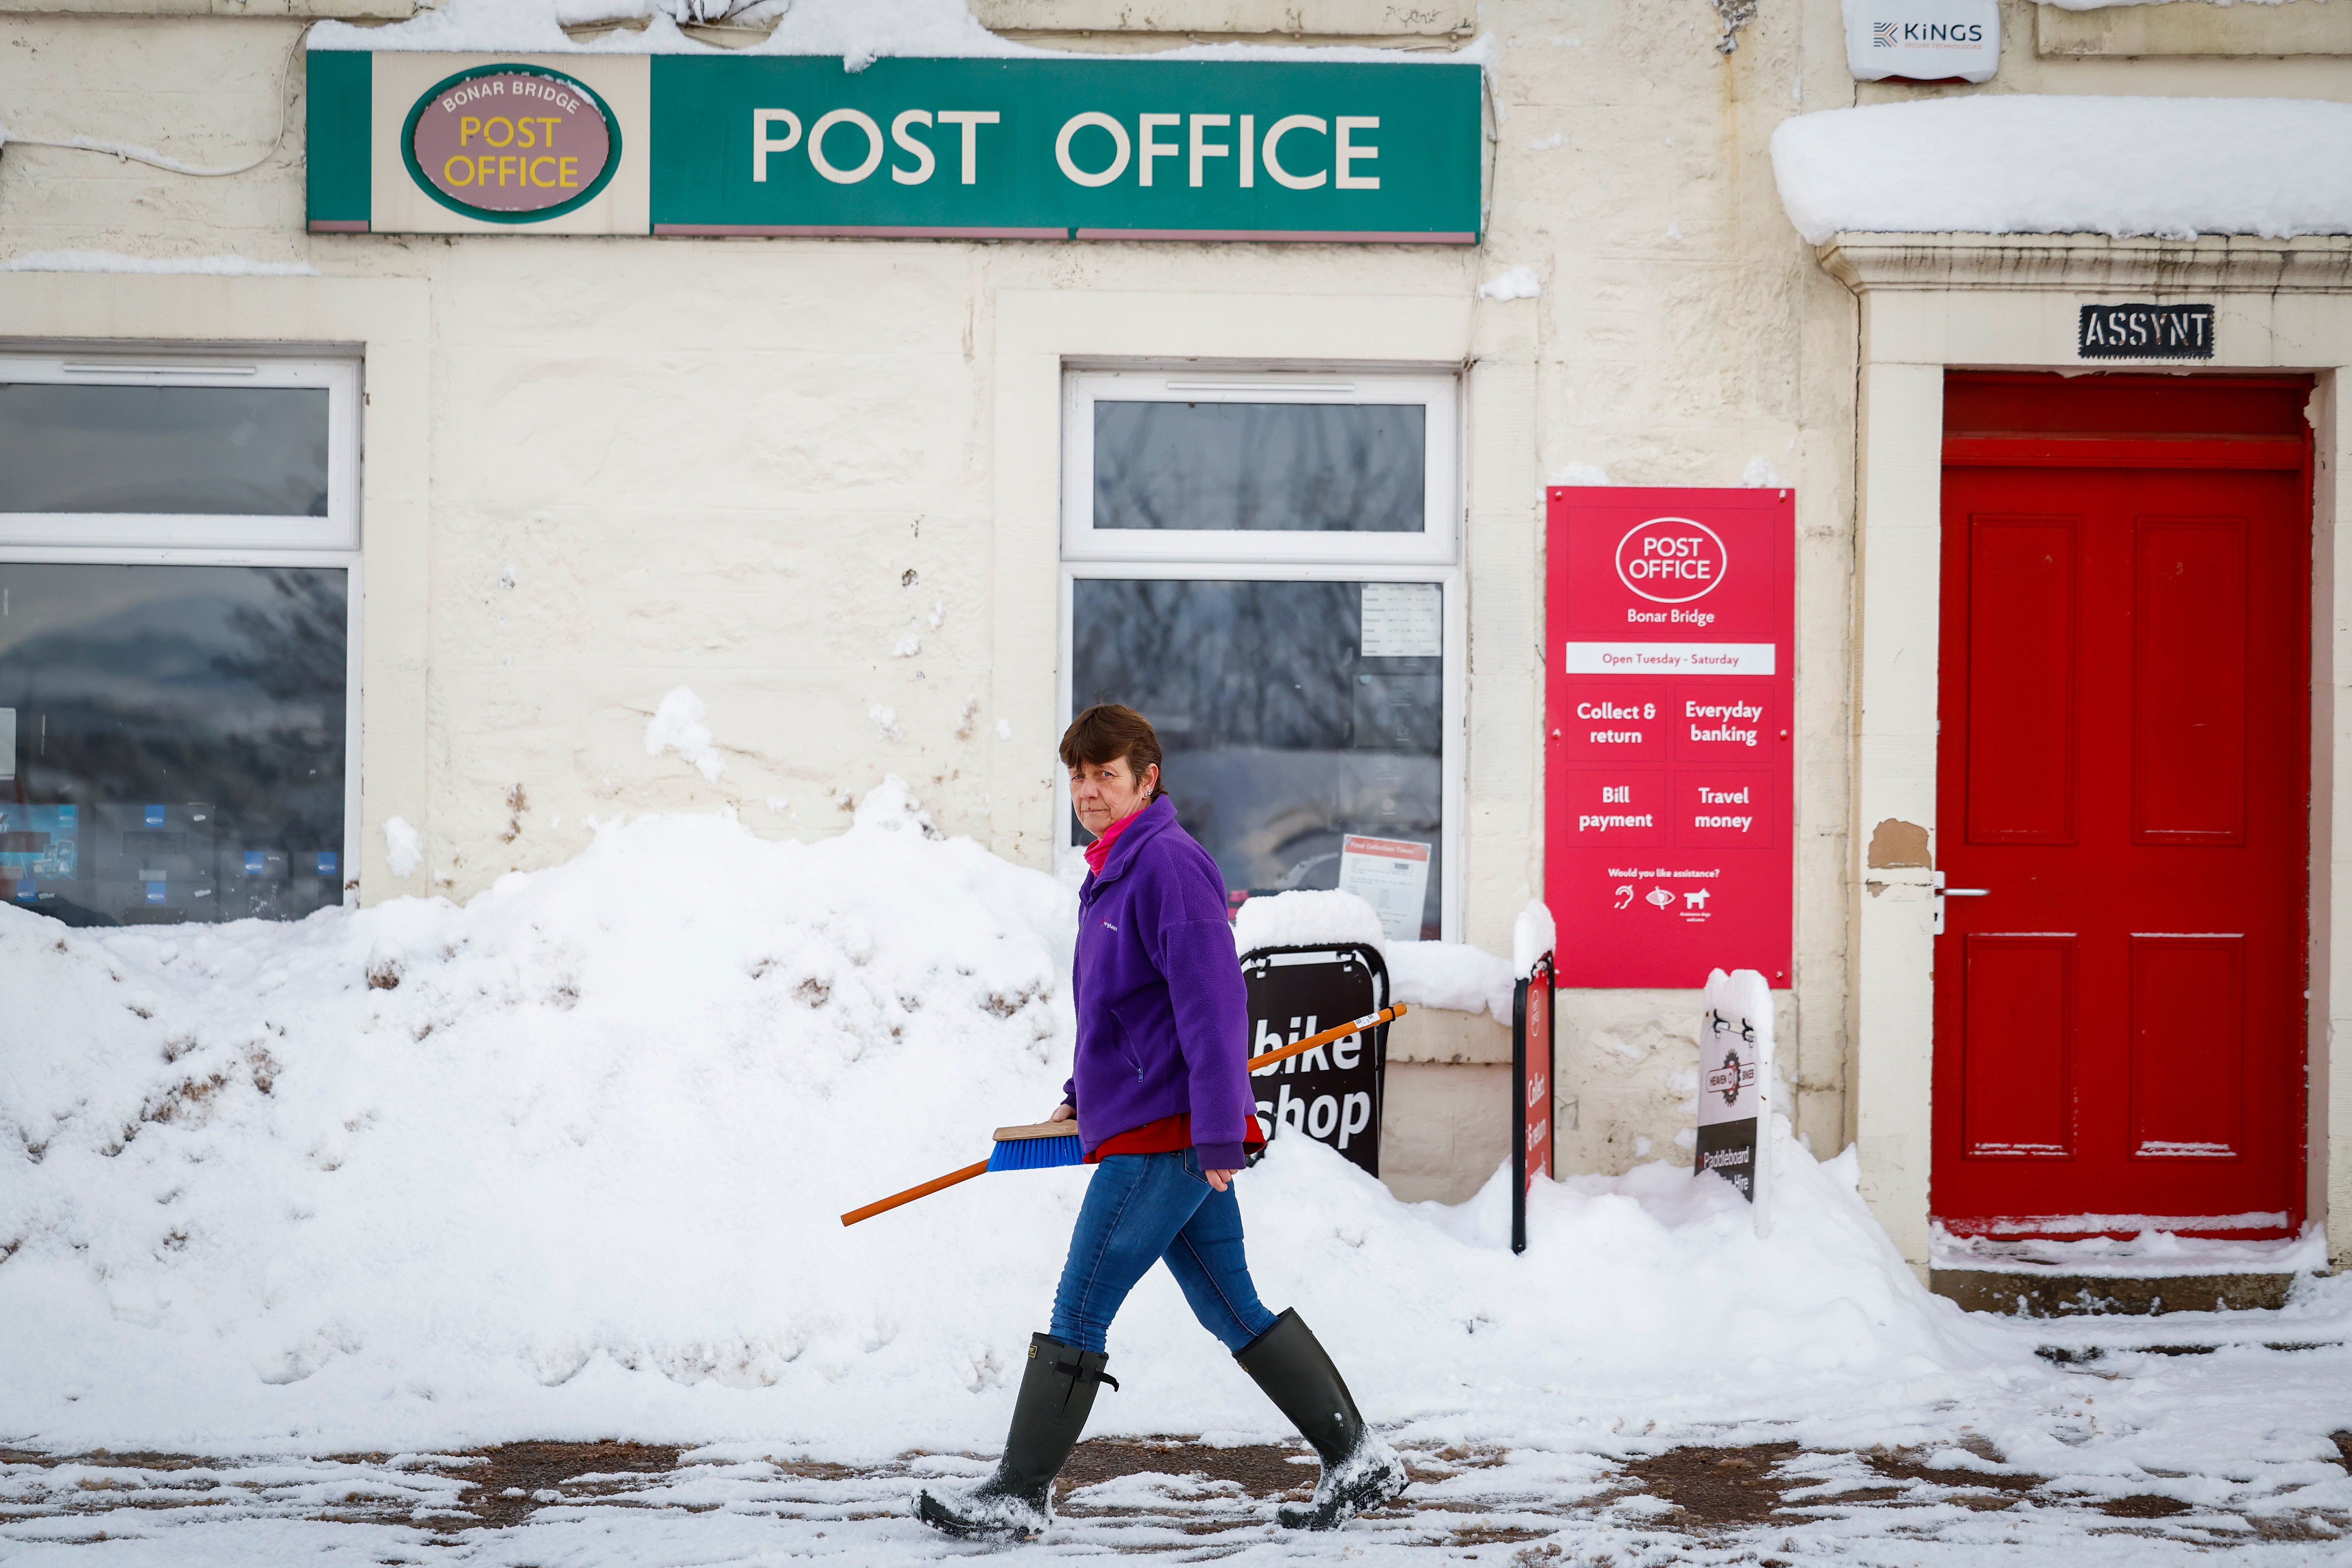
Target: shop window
column 178, row 598
column 1312, row 469
column 1265, row 568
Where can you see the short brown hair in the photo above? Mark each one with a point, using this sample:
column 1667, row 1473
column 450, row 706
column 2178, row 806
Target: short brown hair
column 1110, row 733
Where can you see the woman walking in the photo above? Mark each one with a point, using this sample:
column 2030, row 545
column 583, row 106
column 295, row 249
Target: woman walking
column 1166, row 1114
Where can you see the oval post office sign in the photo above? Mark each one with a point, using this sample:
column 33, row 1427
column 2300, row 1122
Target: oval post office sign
column 511, row 143
column 1672, row 560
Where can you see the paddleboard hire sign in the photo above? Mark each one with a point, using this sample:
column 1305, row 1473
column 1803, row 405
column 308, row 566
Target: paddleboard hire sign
column 411, row 141
column 1735, row 1084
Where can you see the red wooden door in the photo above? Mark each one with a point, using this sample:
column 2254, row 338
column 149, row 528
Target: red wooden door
column 2122, row 765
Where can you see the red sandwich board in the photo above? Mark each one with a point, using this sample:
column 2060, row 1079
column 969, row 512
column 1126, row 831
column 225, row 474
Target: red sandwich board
column 1670, row 706
column 1532, row 1064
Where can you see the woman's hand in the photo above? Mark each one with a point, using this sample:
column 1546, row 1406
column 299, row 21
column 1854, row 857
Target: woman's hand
column 1063, row 1112
column 1221, row 1180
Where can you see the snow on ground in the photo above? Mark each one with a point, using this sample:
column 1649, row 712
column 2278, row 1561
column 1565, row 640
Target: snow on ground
column 566, row 1162
column 2149, row 1251
column 2172, row 167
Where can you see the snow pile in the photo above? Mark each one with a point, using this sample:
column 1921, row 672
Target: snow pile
column 568, row 1162
column 2028, row 163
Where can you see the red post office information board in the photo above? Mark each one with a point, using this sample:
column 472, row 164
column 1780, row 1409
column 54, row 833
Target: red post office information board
column 1669, row 846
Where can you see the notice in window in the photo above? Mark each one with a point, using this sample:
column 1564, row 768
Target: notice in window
column 1403, row 620
column 38, row 840
column 1393, row 876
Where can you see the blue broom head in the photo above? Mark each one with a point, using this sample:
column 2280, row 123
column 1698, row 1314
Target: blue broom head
column 1037, row 1148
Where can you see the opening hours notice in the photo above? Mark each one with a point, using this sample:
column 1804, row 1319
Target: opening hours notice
column 1669, row 697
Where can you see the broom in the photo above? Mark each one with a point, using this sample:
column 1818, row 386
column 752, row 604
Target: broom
column 1043, row 1145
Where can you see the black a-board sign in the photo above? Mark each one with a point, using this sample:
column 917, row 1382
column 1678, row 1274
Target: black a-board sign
column 1735, row 1080
column 1532, row 1060
column 1333, row 1093
column 1727, row 1089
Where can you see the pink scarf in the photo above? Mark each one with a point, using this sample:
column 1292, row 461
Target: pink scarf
column 1099, row 850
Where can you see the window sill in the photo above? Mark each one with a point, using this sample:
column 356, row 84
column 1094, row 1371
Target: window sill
column 265, row 10
column 2300, row 28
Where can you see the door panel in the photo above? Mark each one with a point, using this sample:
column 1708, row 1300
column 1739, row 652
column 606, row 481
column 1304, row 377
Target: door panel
column 2188, row 1047
column 2124, row 763
column 2017, row 1101
column 2188, row 680
column 2020, row 693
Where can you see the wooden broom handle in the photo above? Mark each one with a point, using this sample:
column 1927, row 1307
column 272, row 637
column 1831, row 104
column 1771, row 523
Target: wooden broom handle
column 1398, row 1010
column 936, row 1183
column 940, row 1184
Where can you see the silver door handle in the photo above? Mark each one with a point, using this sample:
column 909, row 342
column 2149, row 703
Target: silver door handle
column 1942, row 892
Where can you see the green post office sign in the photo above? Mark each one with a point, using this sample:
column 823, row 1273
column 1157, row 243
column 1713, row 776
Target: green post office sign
column 409, row 141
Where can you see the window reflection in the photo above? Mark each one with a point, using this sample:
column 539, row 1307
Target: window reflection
column 1286, row 729
column 178, row 738
column 207, row 451
column 1336, row 467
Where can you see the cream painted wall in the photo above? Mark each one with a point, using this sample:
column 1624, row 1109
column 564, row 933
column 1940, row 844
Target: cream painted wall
column 752, row 467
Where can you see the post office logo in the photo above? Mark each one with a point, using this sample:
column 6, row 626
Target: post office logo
column 511, row 143
column 1672, row 560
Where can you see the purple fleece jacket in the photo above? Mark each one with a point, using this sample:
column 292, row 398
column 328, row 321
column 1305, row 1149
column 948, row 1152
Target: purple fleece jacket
column 1163, row 1021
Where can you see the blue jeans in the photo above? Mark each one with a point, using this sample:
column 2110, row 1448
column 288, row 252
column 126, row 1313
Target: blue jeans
column 1142, row 1208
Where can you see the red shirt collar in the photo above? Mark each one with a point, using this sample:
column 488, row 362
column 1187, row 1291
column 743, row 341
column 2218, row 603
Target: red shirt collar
column 1099, row 850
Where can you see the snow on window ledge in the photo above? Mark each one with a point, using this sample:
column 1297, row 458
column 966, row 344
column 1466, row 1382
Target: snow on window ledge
column 2169, row 168
column 280, row 10
column 114, row 261
column 858, row 32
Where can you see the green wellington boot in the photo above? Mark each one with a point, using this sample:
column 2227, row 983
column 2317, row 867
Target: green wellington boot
column 1058, row 1390
column 1359, row 1470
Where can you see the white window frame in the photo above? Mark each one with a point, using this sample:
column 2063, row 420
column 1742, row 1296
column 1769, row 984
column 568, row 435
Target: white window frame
column 1244, row 556
column 1438, row 544
column 339, row 530
column 74, row 538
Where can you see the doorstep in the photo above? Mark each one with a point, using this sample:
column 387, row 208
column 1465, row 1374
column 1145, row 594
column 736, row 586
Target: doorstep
column 2028, row 1274
column 2046, row 1294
